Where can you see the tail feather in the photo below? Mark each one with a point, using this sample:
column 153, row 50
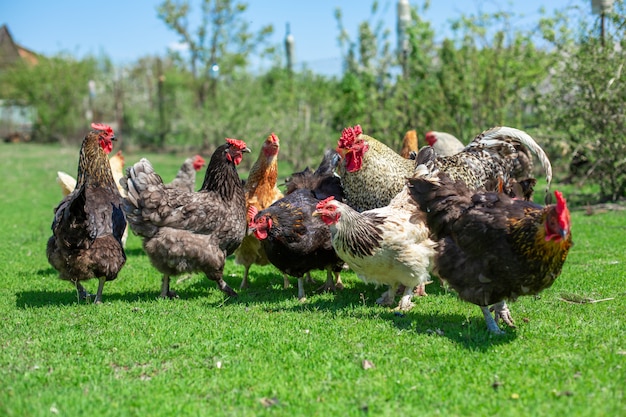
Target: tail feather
column 66, row 182
column 138, row 178
column 442, row 199
column 499, row 134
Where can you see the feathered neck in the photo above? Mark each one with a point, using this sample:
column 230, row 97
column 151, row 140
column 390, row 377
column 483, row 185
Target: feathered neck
column 93, row 164
column 221, row 175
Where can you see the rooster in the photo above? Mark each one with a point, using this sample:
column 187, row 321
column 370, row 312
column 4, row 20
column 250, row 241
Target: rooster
column 260, row 192
column 186, row 177
column 186, row 231
column 492, row 247
column 444, row 144
column 295, row 241
column 372, row 173
column 89, row 222
column 388, row 245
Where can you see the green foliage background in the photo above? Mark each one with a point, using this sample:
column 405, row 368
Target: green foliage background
column 559, row 79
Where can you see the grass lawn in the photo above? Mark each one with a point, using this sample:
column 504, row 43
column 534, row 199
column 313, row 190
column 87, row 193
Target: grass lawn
column 266, row 354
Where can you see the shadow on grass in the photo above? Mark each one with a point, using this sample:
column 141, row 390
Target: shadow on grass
column 360, row 300
column 266, row 288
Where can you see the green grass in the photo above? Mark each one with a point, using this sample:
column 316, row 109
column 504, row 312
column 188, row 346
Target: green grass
column 266, row 354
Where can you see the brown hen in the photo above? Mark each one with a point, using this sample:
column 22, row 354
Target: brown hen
column 491, row 247
column 89, row 222
column 260, row 192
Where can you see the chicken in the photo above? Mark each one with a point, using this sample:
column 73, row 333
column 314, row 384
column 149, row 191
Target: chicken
column 68, row 183
column 388, row 245
column 295, row 241
column 117, row 169
column 372, row 174
column 444, row 144
column 186, row 177
column 491, row 247
column 409, row 145
column 89, row 222
column 323, row 183
column 185, row 231
column 260, row 192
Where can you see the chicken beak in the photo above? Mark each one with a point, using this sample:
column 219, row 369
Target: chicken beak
column 113, row 137
column 246, row 149
column 316, row 213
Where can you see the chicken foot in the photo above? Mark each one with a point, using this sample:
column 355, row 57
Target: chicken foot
column 222, row 285
column 405, row 303
column 165, row 288
column 388, row 297
column 98, row 299
column 333, row 282
column 244, row 282
column 84, row 295
column 501, row 312
column 82, row 292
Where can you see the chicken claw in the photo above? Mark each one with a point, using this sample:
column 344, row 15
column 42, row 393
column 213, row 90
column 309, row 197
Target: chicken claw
column 388, row 297
column 501, row 311
column 405, row 303
column 492, row 326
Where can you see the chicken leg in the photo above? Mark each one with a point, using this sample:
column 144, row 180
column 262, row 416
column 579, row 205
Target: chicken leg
column 405, row 303
column 501, row 312
column 165, row 288
column 82, row 292
column 98, row 299
column 333, row 282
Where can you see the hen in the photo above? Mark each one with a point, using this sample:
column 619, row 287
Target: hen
column 185, row 179
column 295, row 241
column 372, row 173
column 388, row 245
column 68, row 183
column 323, row 183
column 89, row 222
column 186, row 231
column 260, row 192
column 492, row 247
column 444, row 144
column 409, row 145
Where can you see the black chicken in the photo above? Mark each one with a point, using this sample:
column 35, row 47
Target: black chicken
column 295, row 241
column 89, row 223
column 185, row 231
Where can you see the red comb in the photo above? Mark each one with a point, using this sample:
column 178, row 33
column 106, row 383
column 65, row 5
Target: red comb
column 103, row 127
column 562, row 210
column 239, row 144
column 323, row 203
column 349, row 135
column 273, row 138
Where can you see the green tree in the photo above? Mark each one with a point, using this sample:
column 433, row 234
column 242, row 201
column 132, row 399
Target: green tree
column 586, row 100
column 223, row 37
column 57, row 88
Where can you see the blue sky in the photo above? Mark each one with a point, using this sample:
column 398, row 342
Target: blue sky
column 128, row 29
